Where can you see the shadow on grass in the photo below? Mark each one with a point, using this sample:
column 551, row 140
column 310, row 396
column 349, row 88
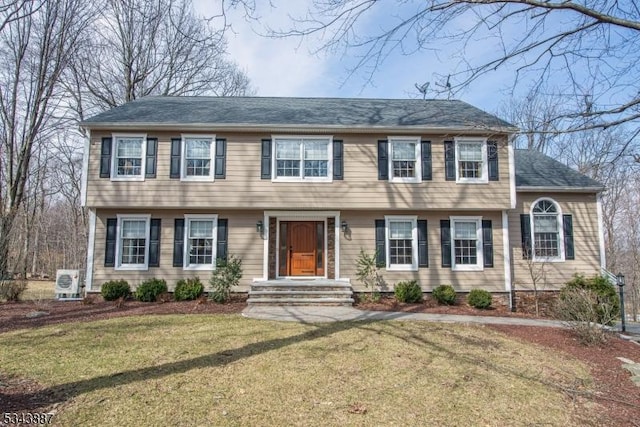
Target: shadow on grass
column 30, row 401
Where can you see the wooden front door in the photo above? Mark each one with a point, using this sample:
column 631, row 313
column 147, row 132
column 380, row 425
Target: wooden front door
column 301, row 248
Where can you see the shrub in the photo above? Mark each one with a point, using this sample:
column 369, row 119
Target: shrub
column 189, row 289
column 579, row 309
column 150, row 289
column 12, row 290
column 444, row 294
column 408, row 292
column 479, row 298
column 368, row 271
column 606, row 303
column 226, row 275
column 114, row 289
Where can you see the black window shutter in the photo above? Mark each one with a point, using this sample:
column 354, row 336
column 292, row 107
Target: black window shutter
column 105, row 157
column 154, row 243
column 449, row 161
column 176, row 153
column 425, row 151
column 338, row 160
column 445, row 242
column 381, row 247
column 221, row 158
column 178, row 242
column 567, row 225
column 265, row 163
column 110, row 247
column 223, row 232
column 423, row 251
column 487, row 243
column 525, row 231
column 492, row 157
column 152, row 155
column 383, row 160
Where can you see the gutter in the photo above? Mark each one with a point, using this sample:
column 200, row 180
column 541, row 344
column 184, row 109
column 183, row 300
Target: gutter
column 558, row 189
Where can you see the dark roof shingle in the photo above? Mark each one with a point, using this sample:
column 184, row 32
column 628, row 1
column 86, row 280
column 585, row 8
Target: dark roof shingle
column 356, row 112
column 534, row 169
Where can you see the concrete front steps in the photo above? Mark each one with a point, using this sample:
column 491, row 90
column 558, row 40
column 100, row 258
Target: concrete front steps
column 301, row 292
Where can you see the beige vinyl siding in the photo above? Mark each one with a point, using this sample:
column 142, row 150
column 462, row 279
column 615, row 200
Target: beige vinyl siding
column 362, row 235
column 583, row 208
column 242, row 237
column 243, row 188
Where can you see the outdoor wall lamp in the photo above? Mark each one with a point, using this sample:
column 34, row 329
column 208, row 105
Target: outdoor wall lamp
column 620, row 283
column 344, row 226
column 259, row 226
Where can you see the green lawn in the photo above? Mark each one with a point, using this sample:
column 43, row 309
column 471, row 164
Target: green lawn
column 228, row 370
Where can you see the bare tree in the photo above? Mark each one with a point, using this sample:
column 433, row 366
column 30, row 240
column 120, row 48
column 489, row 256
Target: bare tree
column 588, row 50
column 35, row 50
column 151, row 47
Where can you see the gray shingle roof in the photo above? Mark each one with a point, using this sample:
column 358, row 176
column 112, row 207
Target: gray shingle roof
column 534, row 169
column 347, row 112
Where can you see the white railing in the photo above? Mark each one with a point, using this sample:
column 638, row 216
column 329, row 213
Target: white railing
column 609, row 275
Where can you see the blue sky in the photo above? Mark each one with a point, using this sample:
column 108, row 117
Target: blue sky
column 288, row 67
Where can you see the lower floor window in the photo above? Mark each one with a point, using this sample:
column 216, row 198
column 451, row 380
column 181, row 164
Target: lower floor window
column 402, row 242
column 133, row 242
column 466, row 236
column 200, row 241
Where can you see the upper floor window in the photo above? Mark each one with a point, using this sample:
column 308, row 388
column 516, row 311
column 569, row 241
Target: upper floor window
column 471, row 160
column 402, row 243
column 404, row 159
column 198, row 158
column 128, row 161
column 200, row 242
column 546, row 230
column 466, row 245
column 302, row 159
column 133, row 242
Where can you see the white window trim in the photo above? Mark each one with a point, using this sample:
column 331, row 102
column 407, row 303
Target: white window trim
column 183, row 158
column 414, row 243
column 418, row 177
column 133, row 267
column 274, row 161
column 479, row 265
column 185, row 255
column 485, row 161
column 561, row 257
column 114, row 151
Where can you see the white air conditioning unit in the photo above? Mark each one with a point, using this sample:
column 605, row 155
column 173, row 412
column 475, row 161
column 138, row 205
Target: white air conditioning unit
column 67, row 281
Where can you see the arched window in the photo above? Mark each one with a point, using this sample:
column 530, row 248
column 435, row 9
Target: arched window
column 546, row 230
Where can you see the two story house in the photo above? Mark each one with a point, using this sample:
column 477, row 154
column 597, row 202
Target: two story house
column 297, row 187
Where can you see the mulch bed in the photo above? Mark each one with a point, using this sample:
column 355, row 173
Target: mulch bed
column 619, row 397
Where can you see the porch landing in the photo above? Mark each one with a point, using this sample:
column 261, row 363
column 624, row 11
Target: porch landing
column 301, row 292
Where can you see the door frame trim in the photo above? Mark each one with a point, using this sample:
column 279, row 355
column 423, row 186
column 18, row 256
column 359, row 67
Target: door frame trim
column 300, row 216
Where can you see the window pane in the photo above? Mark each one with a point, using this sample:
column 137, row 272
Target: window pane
column 404, row 169
column 400, row 252
column 545, row 223
column 545, row 206
column 198, row 149
column 315, row 168
column 404, row 151
column 288, row 168
column 546, row 244
column 466, row 252
column 316, row 150
column 470, row 152
column 134, row 228
column 400, row 230
column 288, row 149
column 202, row 228
column 465, row 230
column 129, row 147
column 200, row 251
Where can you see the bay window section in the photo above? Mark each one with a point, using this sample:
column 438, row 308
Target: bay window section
column 298, row 159
column 128, row 157
column 402, row 243
column 466, row 243
column 200, row 242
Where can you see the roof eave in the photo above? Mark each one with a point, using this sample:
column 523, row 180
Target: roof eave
column 235, row 127
column 558, row 189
